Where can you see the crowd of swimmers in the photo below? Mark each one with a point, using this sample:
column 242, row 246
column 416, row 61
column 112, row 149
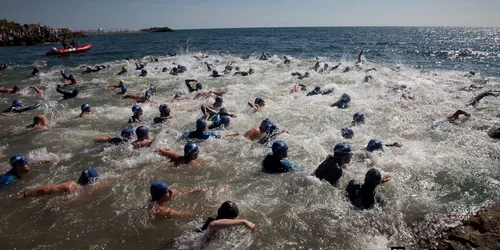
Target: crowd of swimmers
column 362, row 195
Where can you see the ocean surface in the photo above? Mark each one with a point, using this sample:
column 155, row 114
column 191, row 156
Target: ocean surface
column 442, row 172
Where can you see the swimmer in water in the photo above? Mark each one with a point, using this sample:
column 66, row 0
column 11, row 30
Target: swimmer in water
column 244, row 73
column 347, row 133
column 67, row 77
column 452, row 118
column 20, row 166
column 164, row 114
column 201, row 132
column 87, row 178
column 211, row 109
column 123, row 71
column 153, row 58
column 191, row 151
column 265, row 133
column 215, row 74
column 359, row 62
column 13, row 90
column 257, row 104
column 343, row 102
column 331, row 169
column 275, row 162
column 121, row 86
column 86, row 110
column 375, row 144
column 478, row 98
column 305, row 75
column 177, row 98
column 198, row 85
column 68, row 94
column 126, row 136
column 220, row 122
column 315, row 67
column 358, row 118
column 298, row 86
column 210, row 66
column 148, row 95
column 161, row 193
column 40, row 123
column 494, row 133
column 263, row 56
column 136, row 114
column 139, row 65
column 143, row 140
column 17, row 107
column 35, row 71
column 317, row 91
column 227, row 215
column 143, row 73
column 287, row 60
column 364, row 195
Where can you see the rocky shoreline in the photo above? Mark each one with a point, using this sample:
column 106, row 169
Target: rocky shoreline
column 157, row 29
column 480, row 231
column 28, row 41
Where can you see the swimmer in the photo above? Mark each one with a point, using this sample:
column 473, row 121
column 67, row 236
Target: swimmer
column 456, row 115
column 478, row 98
column 86, row 110
column 317, row 91
column 190, row 155
column 69, row 77
column 40, row 123
column 210, row 66
column 228, row 68
column 164, row 70
column 177, row 70
column 358, row 118
column 265, row 133
column 68, row 94
column 315, row 67
column 43, row 64
column 220, row 122
column 275, row 162
column 287, row 60
column 331, row 168
column 126, row 136
column 142, row 133
column 198, row 85
column 91, row 70
column 141, row 99
column 35, row 71
column 211, row 114
column 227, row 215
column 153, row 58
column 298, row 86
column 121, row 86
column 211, row 93
column 364, row 195
column 201, row 132
column 257, row 104
column 20, row 166
column 375, row 144
column 244, row 73
column 164, row 114
column 17, row 107
column 343, row 102
column 215, row 74
column 347, row 133
column 359, row 58
column 161, row 193
column 143, row 73
column 494, row 133
column 177, row 98
column 367, row 78
column 263, row 56
column 123, row 71
column 211, row 108
column 16, row 89
column 136, row 114
column 139, row 65
column 87, row 178
column 470, row 74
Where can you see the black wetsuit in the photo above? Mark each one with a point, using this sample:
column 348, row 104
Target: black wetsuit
column 329, row 170
column 362, row 196
column 272, row 165
column 191, row 89
column 495, row 134
column 478, row 98
column 67, row 93
column 160, row 119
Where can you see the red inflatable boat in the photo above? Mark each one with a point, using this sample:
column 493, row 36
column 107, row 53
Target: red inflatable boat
column 79, row 49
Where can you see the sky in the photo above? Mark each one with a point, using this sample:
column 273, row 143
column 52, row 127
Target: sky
column 206, row 14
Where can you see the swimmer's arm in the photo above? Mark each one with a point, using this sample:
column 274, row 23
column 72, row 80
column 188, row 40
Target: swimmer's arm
column 38, row 91
column 218, row 92
column 235, row 133
column 111, row 86
column 184, row 191
column 144, row 144
column 359, row 56
column 64, row 187
column 103, row 139
column 170, row 213
column 228, row 223
column 167, row 153
column 395, row 144
column 5, row 114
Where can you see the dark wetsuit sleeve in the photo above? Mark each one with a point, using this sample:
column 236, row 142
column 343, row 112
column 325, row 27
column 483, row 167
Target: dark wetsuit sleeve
column 188, row 85
column 64, row 75
column 479, row 97
column 329, row 171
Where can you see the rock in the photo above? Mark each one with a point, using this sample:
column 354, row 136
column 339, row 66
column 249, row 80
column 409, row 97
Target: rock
column 157, row 29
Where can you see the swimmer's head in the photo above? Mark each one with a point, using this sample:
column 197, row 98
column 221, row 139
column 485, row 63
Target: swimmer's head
column 347, row 133
column 89, row 68
column 191, row 149
column 164, row 69
column 373, row 178
column 40, row 119
column 127, row 133
column 343, row 152
column 163, row 108
column 142, row 132
column 85, row 108
column 358, row 117
column 264, row 124
column 225, row 120
column 218, row 99
column 345, row 98
column 228, row 210
column 136, row 109
column 199, row 85
column 259, row 101
column 17, row 103
column 122, row 83
column 18, row 160
column 306, row 74
column 317, row 88
column 201, row 124
column 374, row 144
column 251, row 71
column 177, row 96
column 215, row 73
column 271, row 127
column 71, row 77
column 88, row 176
column 280, row 148
column 147, row 94
column 16, row 89
column 159, row 190
column 124, row 68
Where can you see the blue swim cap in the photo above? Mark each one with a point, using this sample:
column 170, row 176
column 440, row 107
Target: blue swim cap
column 267, row 121
column 71, row 77
column 86, row 107
column 317, row 88
column 88, row 176
column 258, row 100
column 359, row 117
column 158, row 190
column 345, row 97
column 373, row 177
column 347, row 133
column 141, row 131
column 218, row 98
column 223, row 112
column 124, row 89
column 271, row 127
column 18, row 160
column 199, row 86
column 225, row 120
column 163, row 107
column 279, row 147
column 136, row 108
column 191, row 148
column 228, row 210
column 201, row 124
column 16, row 88
column 17, row 103
column 374, row 144
column 342, row 148
column 127, row 133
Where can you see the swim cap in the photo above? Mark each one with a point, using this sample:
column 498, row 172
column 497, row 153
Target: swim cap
column 191, row 148
column 266, row 122
column 317, row 88
column 342, row 148
column 373, row 177
column 218, row 98
column 122, row 82
column 201, row 124
column 228, row 210
column 88, row 176
column 199, row 85
column 148, row 94
column 158, row 190
column 271, row 127
column 345, row 97
column 86, row 107
column 152, row 88
column 177, row 96
column 374, row 144
column 258, row 100
column 16, row 88
column 141, row 131
column 124, row 89
column 223, row 111
column 279, row 147
column 347, row 133
column 136, row 108
column 359, row 117
column 127, row 133
column 124, row 68
column 163, row 107
column 225, row 120
column 71, row 77
column 17, row 103
column 18, row 160
column 215, row 73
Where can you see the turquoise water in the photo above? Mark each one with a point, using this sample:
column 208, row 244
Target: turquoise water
column 451, row 169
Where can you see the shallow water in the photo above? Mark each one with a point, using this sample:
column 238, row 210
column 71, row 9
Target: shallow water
column 451, row 169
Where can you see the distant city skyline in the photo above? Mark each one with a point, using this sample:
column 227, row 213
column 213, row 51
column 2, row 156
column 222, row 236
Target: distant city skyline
column 198, row 14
